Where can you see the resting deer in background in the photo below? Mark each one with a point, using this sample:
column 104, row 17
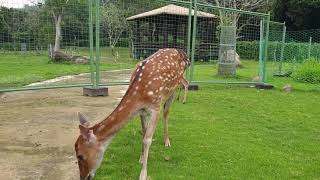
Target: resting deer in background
column 154, row 81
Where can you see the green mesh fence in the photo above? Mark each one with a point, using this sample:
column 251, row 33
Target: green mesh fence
column 289, row 48
column 301, row 45
column 44, row 40
column 276, row 51
column 230, row 45
column 103, row 40
column 131, row 32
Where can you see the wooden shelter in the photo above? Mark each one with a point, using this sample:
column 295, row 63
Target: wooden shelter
column 167, row 27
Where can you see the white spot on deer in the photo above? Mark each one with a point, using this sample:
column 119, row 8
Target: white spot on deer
column 137, row 87
column 143, row 67
column 150, row 93
column 135, row 92
column 140, row 74
column 140, row 64
column 161, row 88
column 120, row 108
column 150, row 82
column 139, row 79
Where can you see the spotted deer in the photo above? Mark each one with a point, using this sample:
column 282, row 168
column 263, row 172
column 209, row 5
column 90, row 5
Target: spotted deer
column 154, row 82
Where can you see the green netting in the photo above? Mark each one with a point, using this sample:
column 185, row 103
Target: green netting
column 41, row 40
column 289, row 48
column 301, row 45
column 233, row 44
column 130, row 32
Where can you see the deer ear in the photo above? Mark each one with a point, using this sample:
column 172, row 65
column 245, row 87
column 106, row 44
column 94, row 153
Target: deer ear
column 83, row 120
column 87, row 134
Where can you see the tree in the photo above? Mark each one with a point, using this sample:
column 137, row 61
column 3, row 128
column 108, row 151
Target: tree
column 298, row 14
column 114, row 22
column 233, row 18
column 228, row 57
column 58, row 9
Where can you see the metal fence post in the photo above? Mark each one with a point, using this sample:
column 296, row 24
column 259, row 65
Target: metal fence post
column 309, row 49
column 264, row 79
column 97, row 42
column 282, row 47
column 194, row 33
column 92, row 68
column 261, row 44
column 189, row 36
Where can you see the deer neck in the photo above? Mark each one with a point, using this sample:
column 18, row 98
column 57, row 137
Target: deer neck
column 125, row 111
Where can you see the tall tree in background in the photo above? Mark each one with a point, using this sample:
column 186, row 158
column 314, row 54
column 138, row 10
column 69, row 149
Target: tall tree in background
column 57, row 8
column 298, row 14
column 114, row 21
column 233, row 18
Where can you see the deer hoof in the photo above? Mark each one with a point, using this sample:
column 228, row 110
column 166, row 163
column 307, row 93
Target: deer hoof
column 167, row 143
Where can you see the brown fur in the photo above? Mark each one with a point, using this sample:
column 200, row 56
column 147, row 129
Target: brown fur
column 155, row 80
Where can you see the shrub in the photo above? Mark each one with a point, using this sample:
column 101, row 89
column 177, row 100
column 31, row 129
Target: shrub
column 308, row 71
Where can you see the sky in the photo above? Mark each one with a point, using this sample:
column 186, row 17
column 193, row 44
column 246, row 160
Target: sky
column 16, row 3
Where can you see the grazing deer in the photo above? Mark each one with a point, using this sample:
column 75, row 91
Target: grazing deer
column 155, row 80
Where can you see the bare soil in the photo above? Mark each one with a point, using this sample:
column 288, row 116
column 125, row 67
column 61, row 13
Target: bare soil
column 38, row 129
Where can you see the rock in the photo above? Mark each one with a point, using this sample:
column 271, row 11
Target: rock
column 167, row 158
column 59, row 56
column 256, row 79
column 80, row 59
column 287, row 88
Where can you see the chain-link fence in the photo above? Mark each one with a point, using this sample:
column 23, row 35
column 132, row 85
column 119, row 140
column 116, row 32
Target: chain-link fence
column 41, row 40
column 230, row 46
column 105, row 39
column 289, row 48
column 130, row 33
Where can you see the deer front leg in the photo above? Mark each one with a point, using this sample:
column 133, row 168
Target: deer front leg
column 143, row 118
column 166, row 108
column 147, row 140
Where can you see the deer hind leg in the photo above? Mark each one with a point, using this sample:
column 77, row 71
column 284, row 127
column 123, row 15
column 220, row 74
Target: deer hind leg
column 185, row 85
column 144, row 124
column 166, row 108
column 147, row 140
column 179, row 93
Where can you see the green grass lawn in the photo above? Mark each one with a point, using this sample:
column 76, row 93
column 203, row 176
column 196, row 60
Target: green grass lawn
column 223, row 132
column 233, row 133
column 17, row 70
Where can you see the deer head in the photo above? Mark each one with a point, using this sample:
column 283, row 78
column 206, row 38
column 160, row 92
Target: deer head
column 89, row 150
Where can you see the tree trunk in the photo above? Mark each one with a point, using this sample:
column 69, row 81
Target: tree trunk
column 58, row 33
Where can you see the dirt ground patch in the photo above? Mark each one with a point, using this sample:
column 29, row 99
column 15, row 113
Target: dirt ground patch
column 38, row 130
